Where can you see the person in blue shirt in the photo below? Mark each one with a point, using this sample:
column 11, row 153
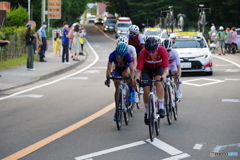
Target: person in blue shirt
column 123, row 67
column 43, row 41
column 65, row 43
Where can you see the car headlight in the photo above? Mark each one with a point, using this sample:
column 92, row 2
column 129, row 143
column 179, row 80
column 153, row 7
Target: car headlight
column 118, row 31
column 106, row 26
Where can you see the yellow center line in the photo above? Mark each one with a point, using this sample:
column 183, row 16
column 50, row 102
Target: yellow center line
column 59, row 134
column 105, row 34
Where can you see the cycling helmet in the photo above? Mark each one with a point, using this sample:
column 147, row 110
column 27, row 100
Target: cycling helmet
column 121, row 50
column 158, row 40
column 28, row 25
column 167, row 44
column 151, row 43
column 134, row 29
column 122, row 39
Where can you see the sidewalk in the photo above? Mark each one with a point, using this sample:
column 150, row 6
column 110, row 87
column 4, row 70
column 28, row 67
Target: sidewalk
column 16, row 77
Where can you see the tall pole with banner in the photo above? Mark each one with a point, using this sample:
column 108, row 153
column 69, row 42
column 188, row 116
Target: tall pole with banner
column 54, row 12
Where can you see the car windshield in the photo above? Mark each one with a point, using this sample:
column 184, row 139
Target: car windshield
column 189, row 43
column 123, row 24
column 111, row 21
column 148, row 33
column 164, row 35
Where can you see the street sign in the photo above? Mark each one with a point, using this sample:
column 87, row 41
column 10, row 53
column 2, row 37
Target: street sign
column 54, row 9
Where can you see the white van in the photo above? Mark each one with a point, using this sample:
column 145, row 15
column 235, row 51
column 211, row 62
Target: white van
column 122, row 26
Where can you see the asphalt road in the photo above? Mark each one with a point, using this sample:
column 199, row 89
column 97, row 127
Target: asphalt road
column 73, row 118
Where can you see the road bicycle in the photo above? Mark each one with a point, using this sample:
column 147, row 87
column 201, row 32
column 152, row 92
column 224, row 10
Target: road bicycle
column 123, row 107
column 170, row 99
column 153, row 109
column 202, row 18
column 180, row 23
column 169, row 20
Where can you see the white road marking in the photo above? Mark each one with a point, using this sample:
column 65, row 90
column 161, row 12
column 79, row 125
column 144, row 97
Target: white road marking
column 231, row 79
column 231, row 100
column 224, row 65
column 98, row 68
column 165, row 147
column 221, row 148
column 77, row 78
column 214, row 81
column 57, row 80
column 110, row 150
column 232, row 70
column 91, row 71
column 198, row 146
column 238, row 65
column 29, row 95
column 177, row 154
column 177, row 157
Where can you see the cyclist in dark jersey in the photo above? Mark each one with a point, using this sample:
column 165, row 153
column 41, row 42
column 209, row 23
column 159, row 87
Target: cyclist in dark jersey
column 123, row 67
column 153, row 63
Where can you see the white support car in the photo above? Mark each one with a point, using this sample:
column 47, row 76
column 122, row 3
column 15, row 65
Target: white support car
column 194, row 52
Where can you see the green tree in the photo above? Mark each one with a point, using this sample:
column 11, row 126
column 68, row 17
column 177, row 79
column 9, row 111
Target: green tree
column 17, row 16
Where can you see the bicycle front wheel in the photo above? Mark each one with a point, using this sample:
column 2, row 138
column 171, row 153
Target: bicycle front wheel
column 119, row 100
column 168, row 105
column 151, row 116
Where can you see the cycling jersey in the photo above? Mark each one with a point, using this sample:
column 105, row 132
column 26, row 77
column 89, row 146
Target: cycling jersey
column 127, row 60
column 132, row 51
column 173, row 60
column 137, row 42
column 144, row 60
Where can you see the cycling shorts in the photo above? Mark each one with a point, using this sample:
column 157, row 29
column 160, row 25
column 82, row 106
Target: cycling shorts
column 173, row 66
column 118, row 71
column 148, row 73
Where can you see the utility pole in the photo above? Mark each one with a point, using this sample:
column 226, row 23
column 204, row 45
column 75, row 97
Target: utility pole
column 29, row 4
column 43, row 10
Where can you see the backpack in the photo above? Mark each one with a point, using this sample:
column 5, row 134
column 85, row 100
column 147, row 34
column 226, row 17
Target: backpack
column 221, row 36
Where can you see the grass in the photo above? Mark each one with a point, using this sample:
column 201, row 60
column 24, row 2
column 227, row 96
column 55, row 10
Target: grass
column 14, row 63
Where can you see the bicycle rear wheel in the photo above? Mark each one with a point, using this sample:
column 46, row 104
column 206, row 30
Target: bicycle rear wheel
column 127, row 113
column 175, row 109
column 168, row 105
column 119, row 104
column 157, row 123
column 151, row 117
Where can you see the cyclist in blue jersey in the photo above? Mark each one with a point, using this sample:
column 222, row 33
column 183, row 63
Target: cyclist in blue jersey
column 123, row 67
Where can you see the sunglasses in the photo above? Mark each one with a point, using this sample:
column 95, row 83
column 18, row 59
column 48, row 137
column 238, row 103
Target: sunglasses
column 132, row 33
column 152, row 51
column 168, row 50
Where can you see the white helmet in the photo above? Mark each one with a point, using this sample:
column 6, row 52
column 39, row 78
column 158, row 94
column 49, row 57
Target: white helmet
column 167, row 44
column 134, row 29
column 221, row 28
column 122, row 39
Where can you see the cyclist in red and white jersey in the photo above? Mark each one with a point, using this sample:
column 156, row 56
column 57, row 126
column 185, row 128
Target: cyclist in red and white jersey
column 153, row 61
column 135, row 38
column 174, row 64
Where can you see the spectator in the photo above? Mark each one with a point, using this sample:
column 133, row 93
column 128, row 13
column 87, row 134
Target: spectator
column 234, row 40
column 3, row 41
column 221, row 37
column 212, row 34
column 76, row 47
column 65, row 43
column 30, row 47
column 43, row 41
column 57, row 45
column 228, row 41
column 82, row 41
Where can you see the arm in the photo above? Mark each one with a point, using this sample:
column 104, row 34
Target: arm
column 4, row 41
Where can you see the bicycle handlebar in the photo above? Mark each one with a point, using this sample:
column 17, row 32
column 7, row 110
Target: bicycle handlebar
column 160, row 80
column 120, row 77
